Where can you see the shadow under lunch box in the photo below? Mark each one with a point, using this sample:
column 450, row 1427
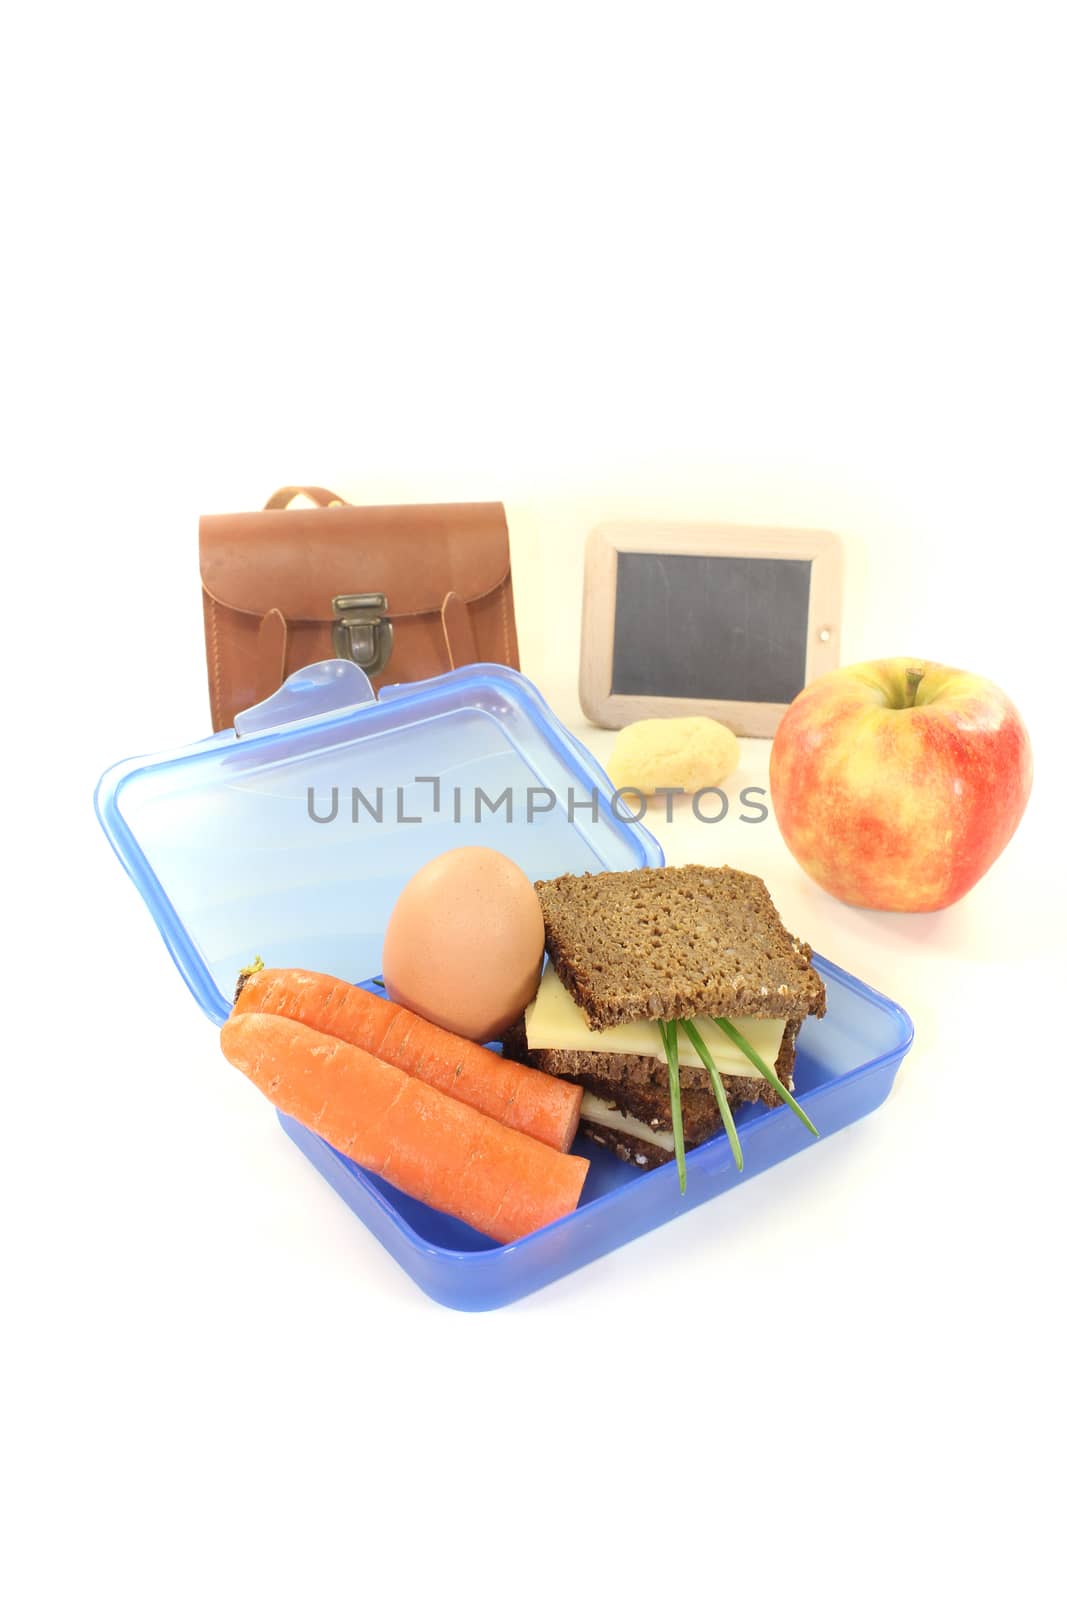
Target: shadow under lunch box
column 290, row 837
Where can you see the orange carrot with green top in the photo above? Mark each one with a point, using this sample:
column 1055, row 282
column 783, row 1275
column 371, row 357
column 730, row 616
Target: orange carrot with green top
column 432, row 1147
column 520, row 1097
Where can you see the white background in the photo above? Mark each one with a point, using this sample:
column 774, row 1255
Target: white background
column 765, row 263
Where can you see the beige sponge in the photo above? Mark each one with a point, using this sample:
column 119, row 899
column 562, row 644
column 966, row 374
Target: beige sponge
column 687, row 753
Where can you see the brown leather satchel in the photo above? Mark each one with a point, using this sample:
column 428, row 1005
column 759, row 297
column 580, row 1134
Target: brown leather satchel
column 404, row 591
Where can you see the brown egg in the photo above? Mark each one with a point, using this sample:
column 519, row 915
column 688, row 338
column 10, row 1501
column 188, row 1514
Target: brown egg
column 464, row 943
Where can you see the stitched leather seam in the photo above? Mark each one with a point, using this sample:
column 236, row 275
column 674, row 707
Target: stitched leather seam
column 216, row 684
column 507, row 627
column 425, row 611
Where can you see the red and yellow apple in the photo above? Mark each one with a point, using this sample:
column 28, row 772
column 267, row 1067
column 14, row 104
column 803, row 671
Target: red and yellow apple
column 897, row 784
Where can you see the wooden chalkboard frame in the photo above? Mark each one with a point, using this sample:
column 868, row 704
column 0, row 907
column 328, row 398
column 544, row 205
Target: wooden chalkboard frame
column 746, row 717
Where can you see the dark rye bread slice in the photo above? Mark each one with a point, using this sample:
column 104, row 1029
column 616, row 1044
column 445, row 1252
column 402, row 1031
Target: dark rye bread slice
column 601, row 1067
column 640, row 1085
column 637, row 1151
column 675, row 942
column 700, row 1113
column 651, row 1105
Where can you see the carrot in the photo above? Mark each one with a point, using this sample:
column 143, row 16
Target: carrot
column 435, row 1149
column 520, row 1097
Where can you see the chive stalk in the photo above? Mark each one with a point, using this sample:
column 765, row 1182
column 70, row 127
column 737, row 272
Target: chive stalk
column 669, row 1034
column 720, row 1093
column 738, row 1038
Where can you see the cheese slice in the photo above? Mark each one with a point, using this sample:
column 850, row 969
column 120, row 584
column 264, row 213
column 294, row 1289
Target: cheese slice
column 555, row 1022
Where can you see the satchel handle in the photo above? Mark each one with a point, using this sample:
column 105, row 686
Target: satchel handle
column 322, row 497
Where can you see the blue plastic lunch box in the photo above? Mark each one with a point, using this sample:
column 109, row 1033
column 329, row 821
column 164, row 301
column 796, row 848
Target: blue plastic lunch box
column 290, row 837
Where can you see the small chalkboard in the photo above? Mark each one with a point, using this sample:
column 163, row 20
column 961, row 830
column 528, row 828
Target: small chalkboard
column 718, row 621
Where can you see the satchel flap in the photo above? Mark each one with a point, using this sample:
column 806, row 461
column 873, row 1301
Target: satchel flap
column 297, row 561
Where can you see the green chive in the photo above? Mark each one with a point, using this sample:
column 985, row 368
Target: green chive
column 776, row 1084
column 669, row 1034
column 720, row 1093
column 379, row 982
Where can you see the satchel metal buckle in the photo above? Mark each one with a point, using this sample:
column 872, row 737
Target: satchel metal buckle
column 361, row 631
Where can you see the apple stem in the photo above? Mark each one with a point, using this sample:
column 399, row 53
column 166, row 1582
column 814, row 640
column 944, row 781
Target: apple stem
column 914, row 676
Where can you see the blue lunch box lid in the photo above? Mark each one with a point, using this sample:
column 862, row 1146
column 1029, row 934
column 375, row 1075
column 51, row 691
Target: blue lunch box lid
column 291, row 835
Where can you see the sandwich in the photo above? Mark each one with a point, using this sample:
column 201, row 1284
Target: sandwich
column 658, row 983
